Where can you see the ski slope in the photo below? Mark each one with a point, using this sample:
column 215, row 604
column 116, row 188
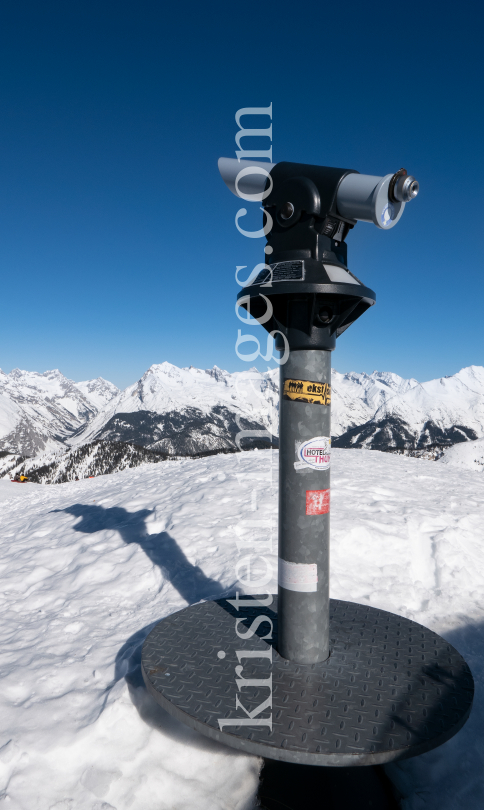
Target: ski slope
column 88, row 567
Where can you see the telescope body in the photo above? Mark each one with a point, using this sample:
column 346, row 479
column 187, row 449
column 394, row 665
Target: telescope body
column 358, row 197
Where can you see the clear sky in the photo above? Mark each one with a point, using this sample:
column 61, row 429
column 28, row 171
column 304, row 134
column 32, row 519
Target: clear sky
column 118, row 245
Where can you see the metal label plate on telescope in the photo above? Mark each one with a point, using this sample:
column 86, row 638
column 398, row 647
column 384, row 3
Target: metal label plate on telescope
column 391, row 688
column 282, row 271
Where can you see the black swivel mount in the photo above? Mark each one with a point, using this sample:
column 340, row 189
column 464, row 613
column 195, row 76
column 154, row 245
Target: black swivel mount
column 306, row 248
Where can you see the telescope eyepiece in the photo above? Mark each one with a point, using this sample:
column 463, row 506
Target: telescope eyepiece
column 413, row 188
column 404, row 187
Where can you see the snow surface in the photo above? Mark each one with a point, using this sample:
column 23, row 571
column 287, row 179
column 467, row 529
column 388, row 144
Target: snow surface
column 165, row 387
column 88, row 567
column 466, row 455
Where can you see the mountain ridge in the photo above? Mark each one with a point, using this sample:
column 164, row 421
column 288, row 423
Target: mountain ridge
column 40, row 411
column 187, row 411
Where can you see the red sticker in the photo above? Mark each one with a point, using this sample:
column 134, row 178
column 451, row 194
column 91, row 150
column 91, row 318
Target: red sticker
column 317, row 501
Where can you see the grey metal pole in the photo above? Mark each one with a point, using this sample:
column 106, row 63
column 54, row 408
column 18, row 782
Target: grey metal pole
column 304, row 488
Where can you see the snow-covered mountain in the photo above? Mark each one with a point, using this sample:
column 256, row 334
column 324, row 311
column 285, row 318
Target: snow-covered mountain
column 99, row 391
column 414, row 415
column 86, row 461
column 39, row 412
column 357, row 397
column 186, row 411
column 190, row 411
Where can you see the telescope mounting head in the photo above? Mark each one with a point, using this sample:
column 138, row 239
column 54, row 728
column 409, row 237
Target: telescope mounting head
column 309, row 211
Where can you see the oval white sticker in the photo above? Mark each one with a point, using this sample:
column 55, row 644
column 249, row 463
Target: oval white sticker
column 387, row 214
column 315, row 453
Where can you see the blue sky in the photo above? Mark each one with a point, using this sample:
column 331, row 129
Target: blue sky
column 118, row 245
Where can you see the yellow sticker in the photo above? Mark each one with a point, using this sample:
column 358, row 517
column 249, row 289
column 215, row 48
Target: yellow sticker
column 307, row 391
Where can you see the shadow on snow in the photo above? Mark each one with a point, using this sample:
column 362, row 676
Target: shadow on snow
column 189, row 580
column 161, row 549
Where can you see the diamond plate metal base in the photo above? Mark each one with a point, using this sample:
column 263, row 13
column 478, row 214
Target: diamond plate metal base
column 391, row 689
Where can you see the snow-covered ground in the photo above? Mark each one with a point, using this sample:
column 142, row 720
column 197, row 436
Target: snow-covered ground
column 88, row 567
column 466, row 455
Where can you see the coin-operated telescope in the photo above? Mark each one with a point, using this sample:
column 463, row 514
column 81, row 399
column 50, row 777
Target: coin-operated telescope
column 306, row 297
column 319, row 681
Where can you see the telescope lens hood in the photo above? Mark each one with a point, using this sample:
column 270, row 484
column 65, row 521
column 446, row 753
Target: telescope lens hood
column 246, row 179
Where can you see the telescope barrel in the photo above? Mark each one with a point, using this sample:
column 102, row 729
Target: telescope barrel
column 359, row 197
